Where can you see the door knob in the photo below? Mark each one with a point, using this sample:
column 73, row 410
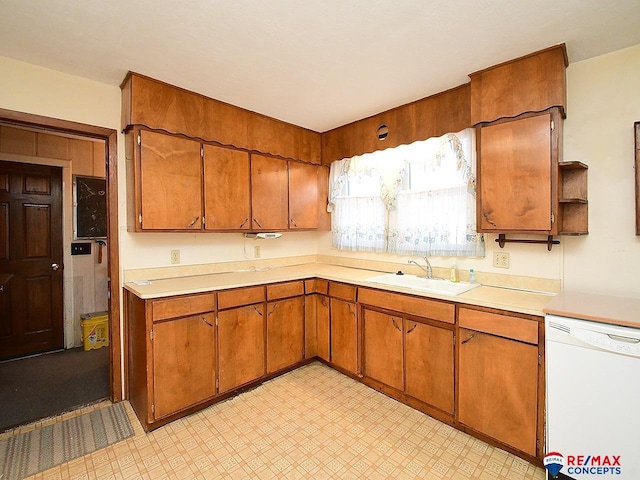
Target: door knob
column 55, row 267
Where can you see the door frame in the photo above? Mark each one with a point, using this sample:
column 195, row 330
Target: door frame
column 110, row 137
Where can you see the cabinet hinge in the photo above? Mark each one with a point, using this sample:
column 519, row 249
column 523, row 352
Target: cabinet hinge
column 217, row 384
column 216, row 319
column 151, row 335
column 204, row 220
column 139, row 140
column 539, row 359
column 553, row 125
column 202, row 152
column 140, row 219
column 153, row 408
column 553, row 218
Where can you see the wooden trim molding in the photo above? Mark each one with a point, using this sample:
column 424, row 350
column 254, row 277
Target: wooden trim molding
column 637, row 168
column 110, row 137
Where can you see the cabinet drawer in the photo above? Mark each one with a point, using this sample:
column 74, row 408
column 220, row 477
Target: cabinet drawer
column 285, row 290
column 506, row 326
column 316, row 285
column 342, row 291
column 183, row 306
column 240, row 296
column 421, row 307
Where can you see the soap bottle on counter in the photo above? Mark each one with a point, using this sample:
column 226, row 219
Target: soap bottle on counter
column 472, row 276
column 453, row 276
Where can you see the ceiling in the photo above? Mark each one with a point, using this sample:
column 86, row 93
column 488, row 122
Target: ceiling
column 318, row 64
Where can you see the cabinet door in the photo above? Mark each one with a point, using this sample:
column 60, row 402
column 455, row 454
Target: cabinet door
column 241, row 344
column 429, row 364
column 285, row 333
column 382, row 351
column 344, row 340
column 171, row 182
column 184, row 363
column 303, row 196
column 515, row 176
column 227, row 204
column 322, row 312
column 269, row 193
column 498, row 388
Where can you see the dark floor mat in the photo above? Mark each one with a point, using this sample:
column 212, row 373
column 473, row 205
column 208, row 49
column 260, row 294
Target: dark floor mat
column 49, row 384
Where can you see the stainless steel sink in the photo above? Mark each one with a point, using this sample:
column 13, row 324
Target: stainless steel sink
column 429, row 285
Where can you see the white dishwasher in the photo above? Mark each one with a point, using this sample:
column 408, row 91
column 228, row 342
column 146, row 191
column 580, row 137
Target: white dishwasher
column 593, row 399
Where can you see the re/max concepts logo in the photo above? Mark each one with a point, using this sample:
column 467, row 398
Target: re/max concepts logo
column 583, row 464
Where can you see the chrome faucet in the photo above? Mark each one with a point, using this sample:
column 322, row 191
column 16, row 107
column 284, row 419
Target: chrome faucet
column 427, row 270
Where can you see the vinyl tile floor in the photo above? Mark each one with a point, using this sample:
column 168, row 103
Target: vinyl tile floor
column 312, row 423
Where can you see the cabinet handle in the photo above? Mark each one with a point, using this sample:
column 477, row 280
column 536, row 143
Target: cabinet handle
column 272, row 310
column 257, row 223
column 393, row 320
column 194, row 222
column 207, row 321
column 244, row 223
column 257, row 311
column 293, row 222
column 412, row 328
column 352, row 312
column 468, row 339
column 323, row 301
column 486, row 217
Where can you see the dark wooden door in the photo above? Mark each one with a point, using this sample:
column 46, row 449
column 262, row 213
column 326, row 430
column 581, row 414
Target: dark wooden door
column 31, row 305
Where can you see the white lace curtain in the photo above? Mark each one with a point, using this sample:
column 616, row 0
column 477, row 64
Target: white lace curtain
column 416, row 199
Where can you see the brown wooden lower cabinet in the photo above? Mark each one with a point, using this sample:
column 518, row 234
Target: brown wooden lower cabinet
column 184, row 363
column 179, row 346
column 285, row 333
column 241, row 340
column 382, row 350
column 498, row 391
column 344, row 339
column 429, row 361
column 410, row 356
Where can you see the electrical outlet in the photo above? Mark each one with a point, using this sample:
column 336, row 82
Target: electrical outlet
column 175, row 256
column 501, row 259
column 256, row 251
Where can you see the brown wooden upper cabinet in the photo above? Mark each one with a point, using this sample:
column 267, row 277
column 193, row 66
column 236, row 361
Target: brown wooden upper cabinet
column 270, row 193
column 532, row 83
column 227, row 197
column 515, row 159
column 158, row 105
column 170, row 186
column 303, row 195
column 523, row 186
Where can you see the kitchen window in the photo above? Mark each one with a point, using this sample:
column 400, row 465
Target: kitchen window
column 416, row 199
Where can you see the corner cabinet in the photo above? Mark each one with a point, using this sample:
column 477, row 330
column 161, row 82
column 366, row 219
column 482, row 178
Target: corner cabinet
column 523, row 187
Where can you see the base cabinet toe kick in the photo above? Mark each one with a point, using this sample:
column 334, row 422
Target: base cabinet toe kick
column 478, row 369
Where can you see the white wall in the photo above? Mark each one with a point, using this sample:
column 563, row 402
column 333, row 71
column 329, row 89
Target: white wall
column 603, row 104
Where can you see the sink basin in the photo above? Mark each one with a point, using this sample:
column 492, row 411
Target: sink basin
column 429, row 285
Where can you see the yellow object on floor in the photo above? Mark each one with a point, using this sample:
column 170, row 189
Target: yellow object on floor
column 95, row 330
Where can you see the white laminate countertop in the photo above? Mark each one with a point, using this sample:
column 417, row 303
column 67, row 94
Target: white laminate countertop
column 597, row 308
column 519, row 301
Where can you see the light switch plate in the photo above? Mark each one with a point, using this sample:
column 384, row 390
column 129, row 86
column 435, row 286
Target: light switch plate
column 175, row 256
